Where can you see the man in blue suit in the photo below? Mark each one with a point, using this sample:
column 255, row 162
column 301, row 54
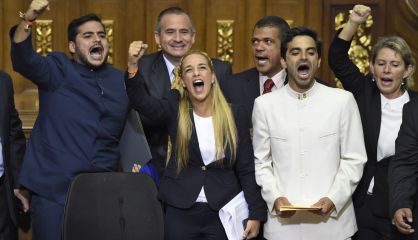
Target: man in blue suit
column 82, row 107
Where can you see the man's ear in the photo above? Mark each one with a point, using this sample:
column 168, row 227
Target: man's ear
column 283, row 63
column 319, row 63
column 157, row 37
column 193, row 36
column 71, row 46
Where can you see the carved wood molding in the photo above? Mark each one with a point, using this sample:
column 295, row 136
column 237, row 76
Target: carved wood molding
column 360, row 45
column 43, row 36
column 109, row 29
column 225, row 39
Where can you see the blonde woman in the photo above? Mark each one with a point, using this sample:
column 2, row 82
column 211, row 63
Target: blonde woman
column 212, row 158
column 380, row 97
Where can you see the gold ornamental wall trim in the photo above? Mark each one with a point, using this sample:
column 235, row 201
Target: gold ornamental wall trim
column 361, row 46
column 225, row 40
column 109, row 29
column 43, row 36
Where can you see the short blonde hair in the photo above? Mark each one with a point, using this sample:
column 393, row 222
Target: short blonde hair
column 400, row 47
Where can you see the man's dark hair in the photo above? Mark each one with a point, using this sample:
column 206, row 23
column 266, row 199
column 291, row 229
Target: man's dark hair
column 173, row 10
column 74, row 24
column 299, row 31
column 273, row 21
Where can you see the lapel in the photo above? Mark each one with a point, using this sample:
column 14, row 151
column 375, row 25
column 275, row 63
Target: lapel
column 3, row 106
column 375, row 115
column 159, row 81
column 251, row 88
column 194, row 149
column 412, row 94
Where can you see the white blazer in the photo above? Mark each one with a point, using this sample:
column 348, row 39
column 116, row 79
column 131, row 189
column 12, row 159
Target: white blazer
column 308, row 146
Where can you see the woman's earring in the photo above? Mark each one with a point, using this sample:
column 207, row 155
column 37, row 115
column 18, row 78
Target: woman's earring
column 184, row 85
column 213, row 81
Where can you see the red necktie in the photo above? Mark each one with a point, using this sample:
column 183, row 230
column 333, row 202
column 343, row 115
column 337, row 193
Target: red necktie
column 268, row 85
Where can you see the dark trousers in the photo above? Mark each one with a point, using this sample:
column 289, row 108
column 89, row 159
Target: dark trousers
column 198, row 222
column 7, row 228
column 47, row 218
column 372, row 227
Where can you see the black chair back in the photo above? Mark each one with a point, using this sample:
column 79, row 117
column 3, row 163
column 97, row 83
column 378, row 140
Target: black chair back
column 113, row 206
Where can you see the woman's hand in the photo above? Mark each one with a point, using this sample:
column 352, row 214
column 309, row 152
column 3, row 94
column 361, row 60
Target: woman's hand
column 252, row 229
column 136, row 168
column 360, row 14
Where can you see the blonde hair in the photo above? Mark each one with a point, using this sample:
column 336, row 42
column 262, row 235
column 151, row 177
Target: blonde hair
column 222, row 119
column 399, row 46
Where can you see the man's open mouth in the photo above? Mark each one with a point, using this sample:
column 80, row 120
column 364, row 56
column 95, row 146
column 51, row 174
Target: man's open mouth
column 96, row 52
column 303, row 70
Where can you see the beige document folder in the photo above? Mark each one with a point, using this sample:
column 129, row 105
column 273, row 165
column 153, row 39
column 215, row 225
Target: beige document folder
column 299, row 207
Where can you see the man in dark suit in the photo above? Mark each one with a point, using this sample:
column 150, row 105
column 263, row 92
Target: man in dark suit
column 12, row 145
column 403, row 174
column 175, row 34
column 268, row 74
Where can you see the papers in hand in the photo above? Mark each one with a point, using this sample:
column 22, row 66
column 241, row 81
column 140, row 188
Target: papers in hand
column 232, row 216
column 299, row 207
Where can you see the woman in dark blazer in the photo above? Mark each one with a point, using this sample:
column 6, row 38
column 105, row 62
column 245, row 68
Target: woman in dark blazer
column 380, row 97
column 212, row 158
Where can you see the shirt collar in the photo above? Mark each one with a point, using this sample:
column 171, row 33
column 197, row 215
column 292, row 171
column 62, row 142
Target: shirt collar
column 278, row 80
column 305, row 95
column 394, row 103
column 170, row 68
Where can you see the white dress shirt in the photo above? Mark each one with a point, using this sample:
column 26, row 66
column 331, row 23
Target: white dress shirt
column 389, row 127
column 170, row 68
column 278, row 80
column 206, row 139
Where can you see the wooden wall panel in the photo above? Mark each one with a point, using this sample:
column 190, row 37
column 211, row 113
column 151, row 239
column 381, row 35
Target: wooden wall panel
column 10, row 18
column 198, row 14
column 405, row 25
column 2, row 28
column 136, row 20
column 226, row 10
column 255, row 9
column 331, row 9
column 291, row 10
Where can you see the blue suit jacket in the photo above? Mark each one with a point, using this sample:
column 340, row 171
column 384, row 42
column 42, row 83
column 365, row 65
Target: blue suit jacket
column 81, row 116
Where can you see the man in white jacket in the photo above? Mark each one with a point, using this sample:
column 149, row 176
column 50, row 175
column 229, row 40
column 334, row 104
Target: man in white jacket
column 309, row 149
